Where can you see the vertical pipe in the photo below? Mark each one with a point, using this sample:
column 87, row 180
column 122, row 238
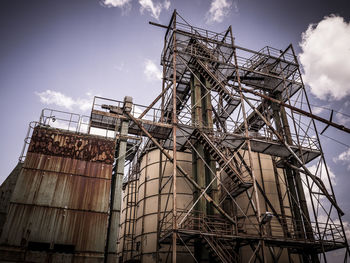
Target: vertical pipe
column 276, row 110
column 283, row 129
column 280, row 198
column 174, row 143
column 130, row 205
column 134, row 211
column 143, row 241
column 248, row 141
column 298, row 182
column 197, row 121
column 116, row 186
column 198, row 170
column 163, row 84
column 160, row 176
column 123, row 249
column 304, row 217
column 208, row 122
column 93, row 105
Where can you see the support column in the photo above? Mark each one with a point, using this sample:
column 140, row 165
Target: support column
column 174, row 123
column 116, row 188
column 302, row 218
column 276, row 110
column 198, row 166
column 208, row 123
column 201, row 158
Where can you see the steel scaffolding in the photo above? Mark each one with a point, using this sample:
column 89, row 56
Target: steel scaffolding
column 228, row 106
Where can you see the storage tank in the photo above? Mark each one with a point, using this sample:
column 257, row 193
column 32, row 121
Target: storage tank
column 268, row 176
column 152, row 164
column 272, row 181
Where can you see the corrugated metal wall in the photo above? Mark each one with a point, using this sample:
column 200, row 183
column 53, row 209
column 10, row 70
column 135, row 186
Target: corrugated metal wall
column 59, row 207
column 6, row 190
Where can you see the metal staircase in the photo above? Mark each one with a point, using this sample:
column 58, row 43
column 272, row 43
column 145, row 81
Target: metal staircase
column 252, row 73
column 237, row 183
column 215, row 77
column 232, row 100
column 220, row 249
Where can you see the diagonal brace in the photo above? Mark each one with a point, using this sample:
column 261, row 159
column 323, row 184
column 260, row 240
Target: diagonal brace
column 206, row 196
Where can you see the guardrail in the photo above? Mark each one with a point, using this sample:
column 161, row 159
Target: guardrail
column 196, row 221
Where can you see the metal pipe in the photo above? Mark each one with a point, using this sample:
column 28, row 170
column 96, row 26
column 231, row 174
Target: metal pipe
column 174, row 147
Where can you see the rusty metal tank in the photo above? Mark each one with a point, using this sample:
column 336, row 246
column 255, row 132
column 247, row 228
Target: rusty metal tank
column 58, row 211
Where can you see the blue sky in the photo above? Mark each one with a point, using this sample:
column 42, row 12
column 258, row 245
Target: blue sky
column 58, row 54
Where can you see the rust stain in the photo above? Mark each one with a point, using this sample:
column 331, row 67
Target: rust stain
column 35, row 187
column 67, row 165
column 86, row 230
column 62, row 192
column 76, row 146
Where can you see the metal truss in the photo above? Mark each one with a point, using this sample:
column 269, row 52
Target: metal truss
column 227, row 105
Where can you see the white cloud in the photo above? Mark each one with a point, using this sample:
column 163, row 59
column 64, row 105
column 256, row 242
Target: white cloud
column 166, row 4
column 346, row 225
column 342, row 119
column 56, row 98
column 322, row 174
column 51, row 97
column 125, row 5
column 116, row 3
column 321, row 213
column 136, row 111
column 151, row 71
column 121, row 66
column 317, row 110
column 323, row 219
column 219, row 9
column 101, row 132
column 63, row 125
column 155, row 8
column 326, row 58
column 344, row 157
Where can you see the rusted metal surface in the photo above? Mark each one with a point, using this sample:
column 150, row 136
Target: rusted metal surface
column 6, row 190
column 54, row 189
column 86, row 230
column 61, row 196
column 67, row 166
column 20, row 255
column 71, row 145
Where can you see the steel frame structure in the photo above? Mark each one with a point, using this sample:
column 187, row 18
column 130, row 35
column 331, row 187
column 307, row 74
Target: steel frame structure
column 258, row 106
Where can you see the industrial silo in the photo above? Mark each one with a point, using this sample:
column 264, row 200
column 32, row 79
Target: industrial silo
column 149, row 202
column 274, row 204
